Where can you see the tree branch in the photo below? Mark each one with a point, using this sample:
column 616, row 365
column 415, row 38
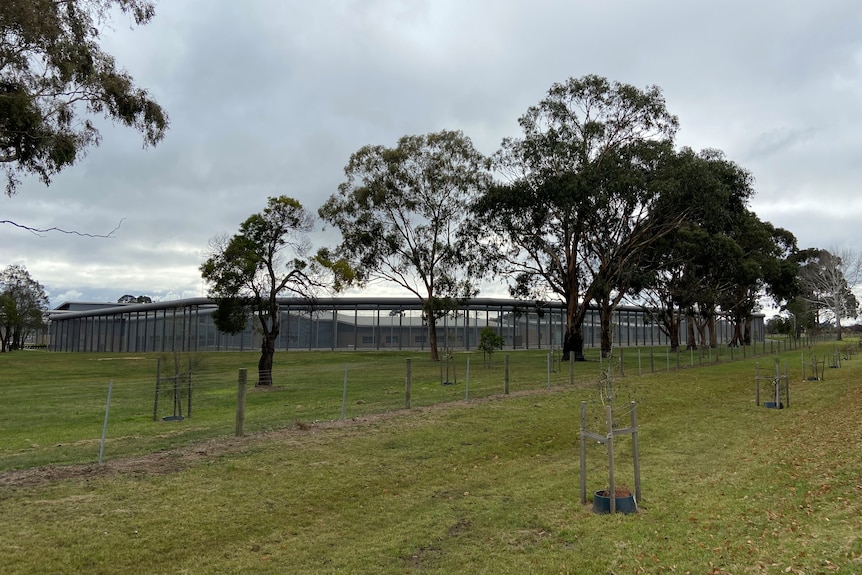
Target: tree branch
column 40, row 231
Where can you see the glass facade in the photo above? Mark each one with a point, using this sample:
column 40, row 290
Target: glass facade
column 347, row 323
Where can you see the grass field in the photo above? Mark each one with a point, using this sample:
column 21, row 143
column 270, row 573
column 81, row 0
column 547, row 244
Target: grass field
column 488, row 485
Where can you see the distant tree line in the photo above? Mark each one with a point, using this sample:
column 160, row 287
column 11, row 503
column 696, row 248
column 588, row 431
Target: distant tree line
column 128, row 298
column 592, row 204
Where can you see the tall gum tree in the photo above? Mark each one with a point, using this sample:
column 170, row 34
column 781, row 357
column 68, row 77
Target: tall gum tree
column 267, row 259
column 401, row 213
column 54, row 75
column 685, row 267
column 826, row 279
column 762, row 264
column 533, row 227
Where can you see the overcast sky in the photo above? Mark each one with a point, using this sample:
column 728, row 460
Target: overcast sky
column 270, row 97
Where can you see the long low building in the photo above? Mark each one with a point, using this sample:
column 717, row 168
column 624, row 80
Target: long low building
column 344, row 324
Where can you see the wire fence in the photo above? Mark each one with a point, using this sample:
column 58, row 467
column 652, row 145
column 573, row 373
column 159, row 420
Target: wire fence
column 160, row 403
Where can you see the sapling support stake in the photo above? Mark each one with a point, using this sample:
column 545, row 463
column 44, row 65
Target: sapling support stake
column 105, row 425
column 344, row 393
column 467, row 382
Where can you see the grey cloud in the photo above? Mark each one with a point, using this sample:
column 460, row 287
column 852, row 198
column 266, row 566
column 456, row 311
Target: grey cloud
column 271, row 98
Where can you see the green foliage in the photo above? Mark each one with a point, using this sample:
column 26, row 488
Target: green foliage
column 343, row 275
column 260, row 263
column 575, row 212
column 489, row 342
column 401, row 212
column 53, row 74
column 689, row 267
column 23, row 303
column 266, row 260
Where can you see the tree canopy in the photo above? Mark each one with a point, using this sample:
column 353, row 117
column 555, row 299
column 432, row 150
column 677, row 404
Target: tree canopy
column 826, row 279
column 686, row 269
column 401, row 214
column 128, row 298
column 265, row 260
column 580, row 174
column 54, row 75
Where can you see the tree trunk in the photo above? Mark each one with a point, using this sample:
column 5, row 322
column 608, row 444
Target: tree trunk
column 606, row 313
column 701, row 334
column 432, row 337
column 737, row 333
column 690, row 342
column 573, row 342
column 670, row 324
column 264, row 365
column 838, row 335
column 713, row 336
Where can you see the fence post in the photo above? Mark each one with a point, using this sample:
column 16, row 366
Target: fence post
column 622, row 360
column 105, row 425
column 636, row 452
column 757, row 384
column 158, row 383
column 583, row 453
column 467, row 382
column 571, row 368
column 408, row 384
column 612, row 488
column 242, row 378
column 189, row 406
column 506, row 376
column 344, row 393
column 549, row 370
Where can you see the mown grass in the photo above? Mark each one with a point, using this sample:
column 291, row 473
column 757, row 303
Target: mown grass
column 54, row 403
column 485, row 486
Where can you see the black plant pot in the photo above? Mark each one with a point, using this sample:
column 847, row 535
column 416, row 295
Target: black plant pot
column 624, row 504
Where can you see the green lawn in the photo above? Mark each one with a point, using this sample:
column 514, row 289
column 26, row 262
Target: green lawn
column 488, row 485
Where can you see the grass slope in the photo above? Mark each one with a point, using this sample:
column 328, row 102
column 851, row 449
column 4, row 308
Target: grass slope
column 486, row 486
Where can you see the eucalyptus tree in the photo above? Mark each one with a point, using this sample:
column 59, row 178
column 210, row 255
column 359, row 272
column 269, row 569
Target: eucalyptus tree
column 763, row 265
column 267, row 259
column 640, row 202
column 401, row 213
column 23, row 303
column 571, row 180
column 685, row 267
column 826, row 281
column 54, row 76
